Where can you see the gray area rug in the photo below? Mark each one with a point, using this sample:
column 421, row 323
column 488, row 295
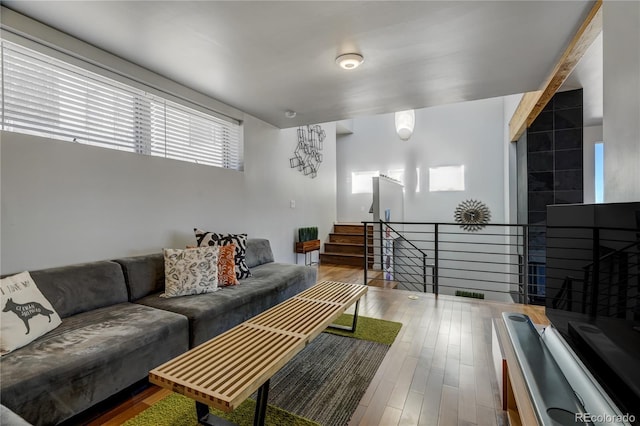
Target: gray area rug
column 326, row 381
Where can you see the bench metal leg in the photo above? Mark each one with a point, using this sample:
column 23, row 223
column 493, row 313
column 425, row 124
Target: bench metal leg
column 207, row 419
column 261, row 405
column 351, row 328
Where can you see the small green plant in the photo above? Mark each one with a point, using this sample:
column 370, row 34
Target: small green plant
column 469, row 294
column 308, row 234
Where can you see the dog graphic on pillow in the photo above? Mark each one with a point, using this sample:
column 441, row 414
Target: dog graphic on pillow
column 26, row 311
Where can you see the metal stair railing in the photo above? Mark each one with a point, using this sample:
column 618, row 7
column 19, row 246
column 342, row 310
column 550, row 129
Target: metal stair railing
column 424, row 264
column 492, row 260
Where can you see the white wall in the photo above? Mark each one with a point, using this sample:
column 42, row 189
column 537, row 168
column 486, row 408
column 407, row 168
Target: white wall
column 64, row 203
column 511, row 239
column 621, row 104
column 469, row 133
column 510, row 105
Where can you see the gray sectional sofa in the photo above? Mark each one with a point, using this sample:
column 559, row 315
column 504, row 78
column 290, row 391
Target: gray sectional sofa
column 115, row 328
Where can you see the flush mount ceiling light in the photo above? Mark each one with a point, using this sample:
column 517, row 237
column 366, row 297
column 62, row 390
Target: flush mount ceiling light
column 349, row 61
column 405, row 122
column 290, row 114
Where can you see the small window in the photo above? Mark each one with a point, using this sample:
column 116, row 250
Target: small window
column 448, row 178
column 599, row 172
column 361, row 182
column 44, row 96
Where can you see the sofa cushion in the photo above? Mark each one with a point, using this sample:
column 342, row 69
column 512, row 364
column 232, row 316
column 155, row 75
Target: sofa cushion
column 258, row 252
column 82, row 287
column 26, row 313
column 90, row 357
column 144, row 274
column 214, row 313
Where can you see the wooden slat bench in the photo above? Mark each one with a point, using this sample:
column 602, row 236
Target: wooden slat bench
column 227, row 369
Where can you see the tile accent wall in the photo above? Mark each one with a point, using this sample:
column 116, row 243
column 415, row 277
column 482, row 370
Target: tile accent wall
column 554, row 173
column 554, row 156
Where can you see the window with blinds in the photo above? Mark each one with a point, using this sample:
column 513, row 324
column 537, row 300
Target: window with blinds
column 47, row 97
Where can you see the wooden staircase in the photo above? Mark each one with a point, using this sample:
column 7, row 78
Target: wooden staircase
column 346, row 245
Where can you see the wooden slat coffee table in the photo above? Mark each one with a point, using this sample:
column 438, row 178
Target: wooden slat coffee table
column 227, row 369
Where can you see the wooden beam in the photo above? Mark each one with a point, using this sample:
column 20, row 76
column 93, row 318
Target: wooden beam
column 532, row 103
column 519, row 121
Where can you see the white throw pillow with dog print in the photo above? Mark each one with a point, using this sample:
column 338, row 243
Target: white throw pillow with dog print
column 26, row 313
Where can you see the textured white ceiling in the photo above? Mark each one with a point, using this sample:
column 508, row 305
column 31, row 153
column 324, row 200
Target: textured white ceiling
column 267, row 57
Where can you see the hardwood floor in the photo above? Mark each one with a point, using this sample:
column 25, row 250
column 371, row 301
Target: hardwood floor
column 439, row 370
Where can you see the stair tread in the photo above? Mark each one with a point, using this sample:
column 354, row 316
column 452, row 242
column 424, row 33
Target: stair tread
column 333, row 253
column 346, row 244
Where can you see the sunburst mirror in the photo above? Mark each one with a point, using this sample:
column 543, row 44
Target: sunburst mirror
column 472, row 215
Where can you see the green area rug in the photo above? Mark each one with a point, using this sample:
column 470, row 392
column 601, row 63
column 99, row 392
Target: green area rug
column 374, row 330
column 178, row 410
column 322, row 385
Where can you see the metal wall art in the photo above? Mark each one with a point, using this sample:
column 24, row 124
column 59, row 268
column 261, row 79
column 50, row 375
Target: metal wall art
column 307, row 153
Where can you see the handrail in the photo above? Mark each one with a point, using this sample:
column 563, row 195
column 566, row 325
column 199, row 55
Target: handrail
column 492, row 224
column 457, row 224
column 402, row 237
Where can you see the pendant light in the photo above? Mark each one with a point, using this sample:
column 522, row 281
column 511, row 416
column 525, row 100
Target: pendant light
column 405, row 122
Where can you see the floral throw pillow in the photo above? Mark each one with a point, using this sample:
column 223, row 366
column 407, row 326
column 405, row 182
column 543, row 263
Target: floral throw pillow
column 190, row 271
column 226, row 265
column 239, row 240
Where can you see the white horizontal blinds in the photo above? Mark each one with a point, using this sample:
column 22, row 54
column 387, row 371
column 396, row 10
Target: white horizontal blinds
column 158, row 128
column 47, row 97
column 1, row 87
column 142, row 124
column 185, row 134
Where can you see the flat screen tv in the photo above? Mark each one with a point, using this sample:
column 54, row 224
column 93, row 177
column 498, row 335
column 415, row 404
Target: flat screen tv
column 593, row 290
